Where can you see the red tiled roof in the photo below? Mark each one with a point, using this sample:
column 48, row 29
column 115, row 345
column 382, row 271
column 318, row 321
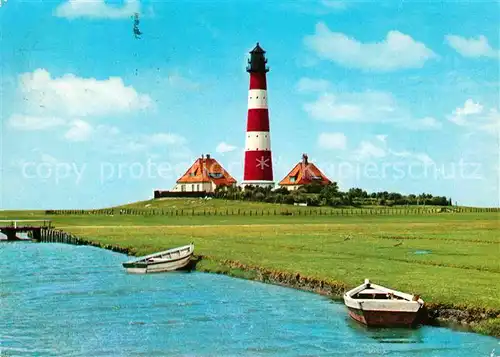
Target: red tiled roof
column 305, row 173
column 207, row 170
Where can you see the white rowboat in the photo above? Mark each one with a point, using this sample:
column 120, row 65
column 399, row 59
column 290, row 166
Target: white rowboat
column 168, row 260
column 375, row 305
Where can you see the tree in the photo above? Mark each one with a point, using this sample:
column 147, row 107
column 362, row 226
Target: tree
column 329, row 192
column 259, row 196
column 357, row 193
column 314, row 187
column 282, row 190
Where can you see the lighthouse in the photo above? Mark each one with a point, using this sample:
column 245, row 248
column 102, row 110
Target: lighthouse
column 258, row 167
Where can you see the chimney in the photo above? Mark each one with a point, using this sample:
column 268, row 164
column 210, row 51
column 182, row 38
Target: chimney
column 305, row 159
column 208, row 156
column 202, row 156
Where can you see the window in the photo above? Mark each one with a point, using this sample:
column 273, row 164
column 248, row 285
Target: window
column 215, row 175
column 292, row 179
column 183, row 188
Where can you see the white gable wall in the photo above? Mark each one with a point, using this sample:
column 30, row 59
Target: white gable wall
column 195, row 187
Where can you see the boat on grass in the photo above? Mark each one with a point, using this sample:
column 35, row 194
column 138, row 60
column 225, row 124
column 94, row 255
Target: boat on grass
column 168, row 260
column 375, row 305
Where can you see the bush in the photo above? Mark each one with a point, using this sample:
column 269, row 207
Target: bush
column 313, row 201
column 259, row 196
column 288, row 199
column 318, row 195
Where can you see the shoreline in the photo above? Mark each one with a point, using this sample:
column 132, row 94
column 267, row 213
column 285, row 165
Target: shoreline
column 477, row 320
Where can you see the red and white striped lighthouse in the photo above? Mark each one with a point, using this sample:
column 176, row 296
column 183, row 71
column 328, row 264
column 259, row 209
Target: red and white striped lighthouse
column 258, row 169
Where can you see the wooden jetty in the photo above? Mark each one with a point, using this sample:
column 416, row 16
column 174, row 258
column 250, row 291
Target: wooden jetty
column 33, row 227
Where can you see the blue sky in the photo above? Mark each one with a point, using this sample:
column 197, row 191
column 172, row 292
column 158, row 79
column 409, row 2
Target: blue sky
column 394, row 96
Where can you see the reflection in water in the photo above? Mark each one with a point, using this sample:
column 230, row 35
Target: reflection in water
column 74, row 300
column 388, row 335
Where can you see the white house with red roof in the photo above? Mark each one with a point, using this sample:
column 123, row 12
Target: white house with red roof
column 205, row 175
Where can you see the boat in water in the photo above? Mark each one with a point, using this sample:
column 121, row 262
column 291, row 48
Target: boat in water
column 168, row 260
column 375, row 305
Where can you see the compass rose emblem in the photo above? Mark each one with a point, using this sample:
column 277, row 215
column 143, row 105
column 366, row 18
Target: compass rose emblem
column 262, row 163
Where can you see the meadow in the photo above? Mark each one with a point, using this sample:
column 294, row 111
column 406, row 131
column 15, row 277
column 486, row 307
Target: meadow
column 447, row 258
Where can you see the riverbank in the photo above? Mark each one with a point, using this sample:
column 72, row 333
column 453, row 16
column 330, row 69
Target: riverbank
column 448, row 259
column 479, row 320
column 103, row 311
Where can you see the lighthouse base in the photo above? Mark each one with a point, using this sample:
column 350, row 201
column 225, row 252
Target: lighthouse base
column 263, row 184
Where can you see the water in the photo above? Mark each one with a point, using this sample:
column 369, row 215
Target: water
column 422, row 252
column 62, row 300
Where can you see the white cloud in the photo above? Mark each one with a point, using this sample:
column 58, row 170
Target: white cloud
column 472, row 47
column 493, row 122
column 48, row 158
column 313, row 85
column 368, row 150
column 224, row 147
column 422, row 157
column 79, row 131
column 129, row 143
column 73, row 96
column 469, row 108
column 165, row 139
column 108, row 130
column 354, row 107
column 97, row 9
column 397, row 51
column 181, row 82
column 473, row 116
column 328, row 108
column 460, row 114
column 333, row 105
column 427, row 123
column 26, row 122
column 379, row 150
column 332, row 141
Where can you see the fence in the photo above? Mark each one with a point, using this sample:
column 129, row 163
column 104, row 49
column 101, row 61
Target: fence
column 58, row 236
column 185, row 194
column 271, row 212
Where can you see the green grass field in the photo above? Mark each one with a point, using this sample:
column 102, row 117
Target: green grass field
column 213, row 204
column 447, row 258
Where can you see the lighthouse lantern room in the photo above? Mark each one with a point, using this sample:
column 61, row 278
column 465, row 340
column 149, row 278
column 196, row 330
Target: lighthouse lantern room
column 258, row 167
